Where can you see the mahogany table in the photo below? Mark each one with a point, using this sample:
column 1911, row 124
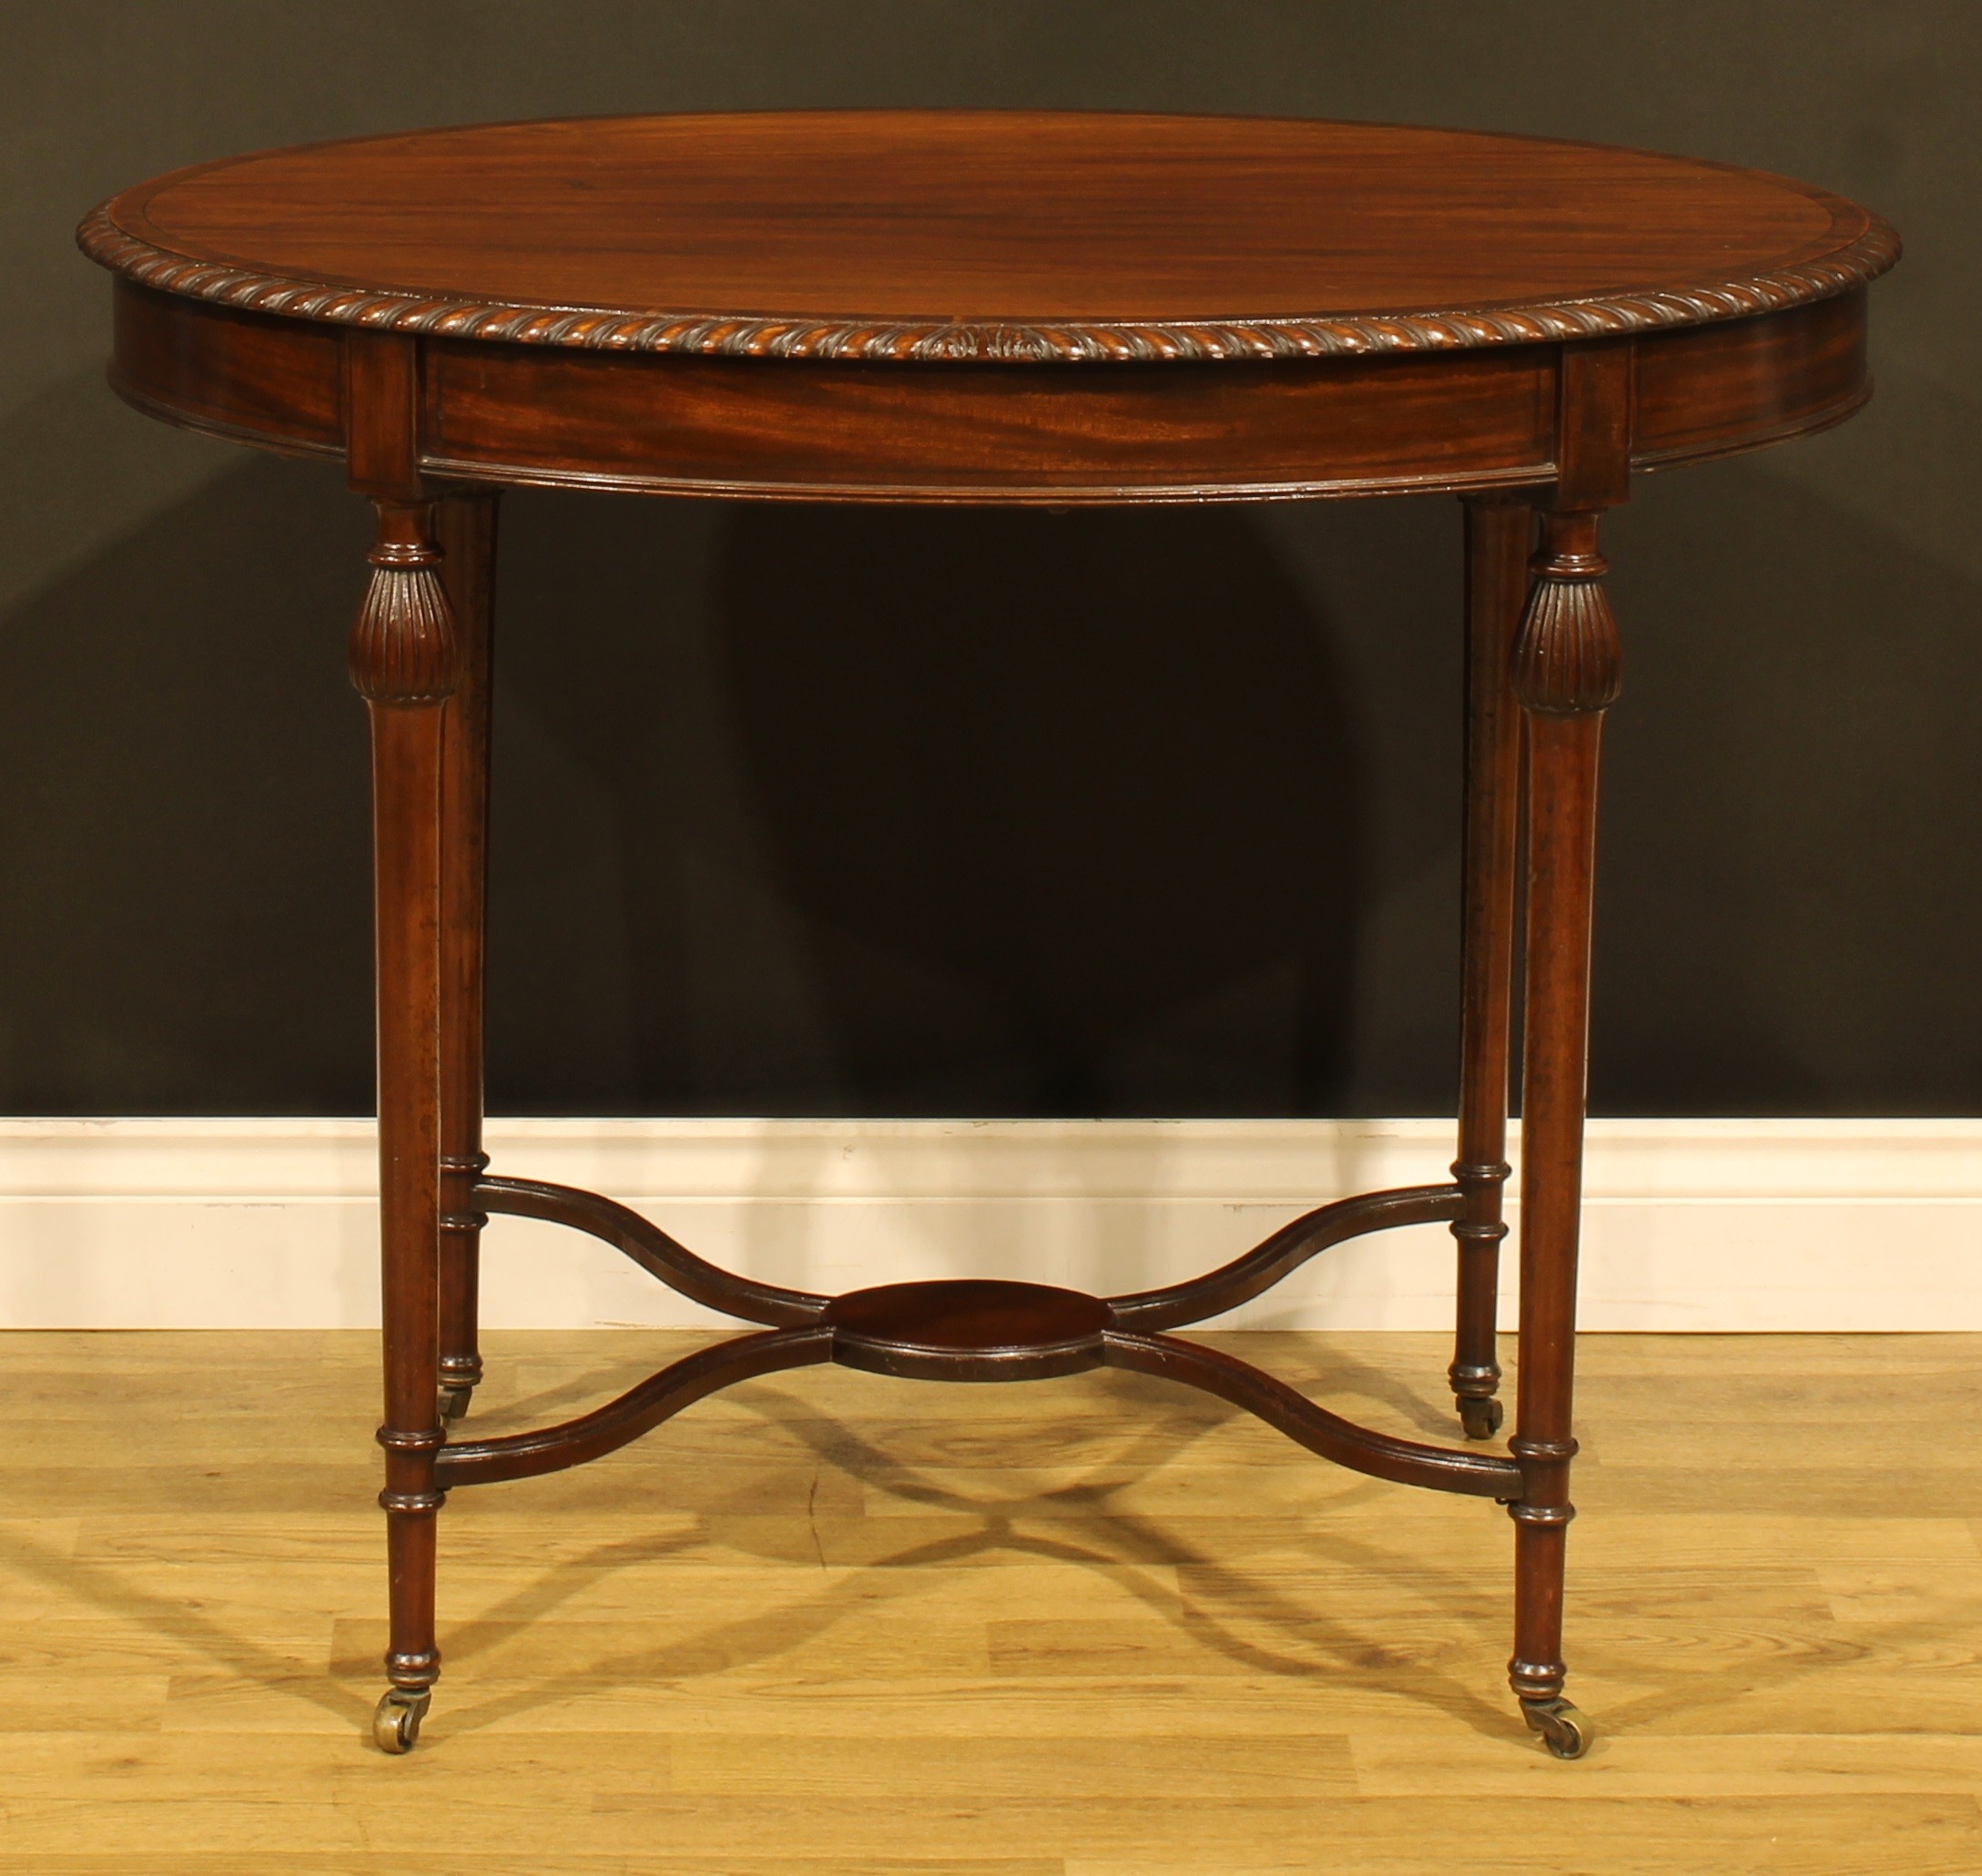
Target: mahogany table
column 990, row 307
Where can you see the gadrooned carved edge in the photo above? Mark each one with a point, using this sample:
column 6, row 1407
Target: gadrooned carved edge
column 1862, row 260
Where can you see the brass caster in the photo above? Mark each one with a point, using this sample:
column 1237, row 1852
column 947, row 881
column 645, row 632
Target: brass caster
column 396, row 1723
column 1481, row 1418
column 454, row 1402
column 1564, row 1730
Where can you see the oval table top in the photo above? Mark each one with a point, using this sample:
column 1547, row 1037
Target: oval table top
column 1001, row 236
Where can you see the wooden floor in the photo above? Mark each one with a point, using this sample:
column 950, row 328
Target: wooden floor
column 839, row 1626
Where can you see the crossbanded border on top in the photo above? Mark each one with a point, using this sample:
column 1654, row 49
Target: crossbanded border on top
column 1606, row 316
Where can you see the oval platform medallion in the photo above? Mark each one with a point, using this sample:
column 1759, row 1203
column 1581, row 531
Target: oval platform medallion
column 969, row 1329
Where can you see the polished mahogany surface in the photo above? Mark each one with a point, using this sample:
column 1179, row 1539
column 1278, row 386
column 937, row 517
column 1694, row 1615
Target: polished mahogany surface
column 987, row 307
column 1261, row 307
column 972, row 1329
column 989, row 234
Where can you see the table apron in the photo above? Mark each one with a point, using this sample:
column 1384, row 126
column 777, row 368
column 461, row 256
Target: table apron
column 935, row 432
column 928, row 432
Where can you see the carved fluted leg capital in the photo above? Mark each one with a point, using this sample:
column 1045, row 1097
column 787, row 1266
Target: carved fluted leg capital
column 1568, row 660
column 404, row 648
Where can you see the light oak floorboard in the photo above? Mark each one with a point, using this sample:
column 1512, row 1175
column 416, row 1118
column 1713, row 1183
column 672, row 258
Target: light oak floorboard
column 833, row 1625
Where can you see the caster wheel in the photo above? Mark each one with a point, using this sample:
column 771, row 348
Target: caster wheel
column 454, row 1403
column 1481, row 1418
column 395, row 1724
column 1564, row 1730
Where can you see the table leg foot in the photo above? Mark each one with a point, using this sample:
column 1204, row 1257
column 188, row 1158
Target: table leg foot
column 1480, row 1417
column 395, row 1722
column 454, row 1401
column 1565, row 1730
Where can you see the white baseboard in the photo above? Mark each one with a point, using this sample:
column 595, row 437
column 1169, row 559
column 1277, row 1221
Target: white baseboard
column 1712, row 1225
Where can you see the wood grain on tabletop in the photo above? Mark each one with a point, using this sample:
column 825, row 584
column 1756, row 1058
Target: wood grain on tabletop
column 986, row 215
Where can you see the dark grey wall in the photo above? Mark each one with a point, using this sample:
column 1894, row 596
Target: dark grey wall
column 852, row 812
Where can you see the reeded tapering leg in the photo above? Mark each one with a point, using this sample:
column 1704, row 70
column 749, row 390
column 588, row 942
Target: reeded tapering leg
column 465, row 528
column 1566, row 674
column 1500, row 532
column 404, row 659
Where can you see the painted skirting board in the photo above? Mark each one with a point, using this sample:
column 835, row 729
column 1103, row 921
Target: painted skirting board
column 1715, row 1225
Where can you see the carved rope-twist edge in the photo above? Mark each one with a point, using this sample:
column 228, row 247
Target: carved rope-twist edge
column 1864, row 258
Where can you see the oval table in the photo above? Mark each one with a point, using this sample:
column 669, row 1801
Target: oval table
column 990, row 307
